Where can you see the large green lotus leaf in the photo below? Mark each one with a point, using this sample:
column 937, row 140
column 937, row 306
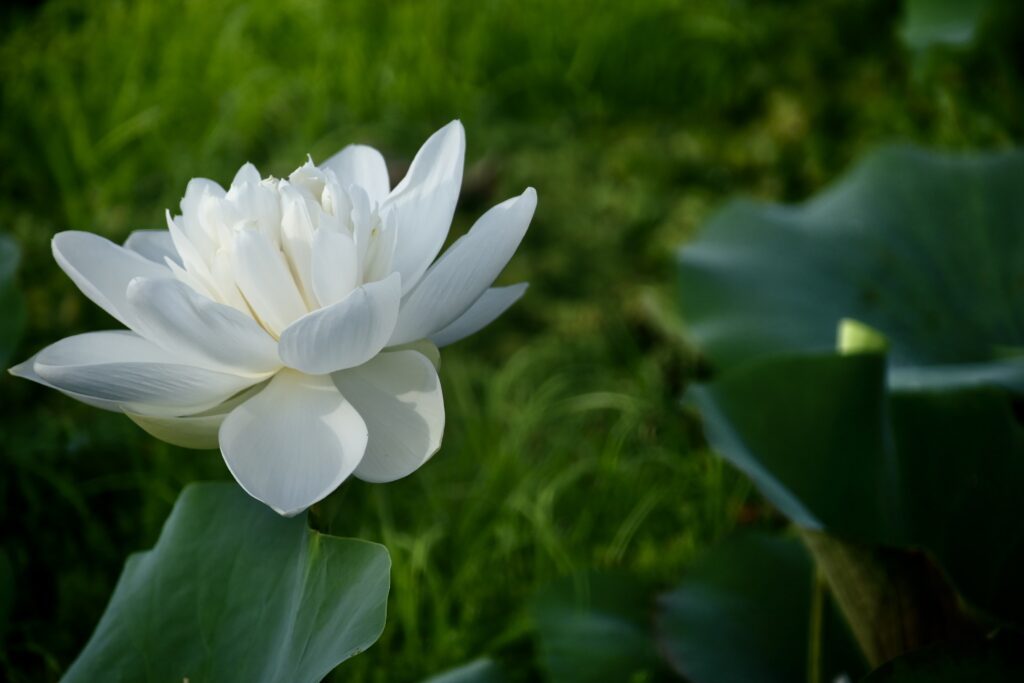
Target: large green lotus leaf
column 743, row 613
column 596, row 627
column 999, row 660
column 809, row 431
column 961, row 462
column 942, row 22
column 11, row 303
column 925, row 247
column 943, row 469
column 234, row 592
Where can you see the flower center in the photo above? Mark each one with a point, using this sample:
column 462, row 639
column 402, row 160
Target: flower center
column 277, row 249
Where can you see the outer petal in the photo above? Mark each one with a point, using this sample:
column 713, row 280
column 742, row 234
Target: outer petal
column 424, row 347
column 425, row 200
column 102, row 269
column 294, row 442
column 345, row 334
column 263, row 277
column 197, row 431
column 173, row 315
column 482, row 313
column 121, row 370
column 156, row 245
column 363, row 166
column 191, row 431
column 468, row 268
column 399, row 396
column 27, row 370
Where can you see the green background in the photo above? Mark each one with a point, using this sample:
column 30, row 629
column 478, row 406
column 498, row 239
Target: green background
column 567, row 447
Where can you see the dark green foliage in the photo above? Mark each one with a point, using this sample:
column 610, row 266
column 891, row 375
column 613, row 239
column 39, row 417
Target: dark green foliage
column 937, row 469
column 810, row 432
column 910, row 444
column 597, row 627
column 11, row 304
column 478, row 671
column 749, row 610
column 996, row 660
column 752, row 610
column 943, row 22
column 925, row 248
column 633, row 120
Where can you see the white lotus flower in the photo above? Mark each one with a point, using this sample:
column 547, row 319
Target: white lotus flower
column 292, row 322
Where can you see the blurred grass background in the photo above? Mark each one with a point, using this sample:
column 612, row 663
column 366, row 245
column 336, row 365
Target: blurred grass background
column 567, row 446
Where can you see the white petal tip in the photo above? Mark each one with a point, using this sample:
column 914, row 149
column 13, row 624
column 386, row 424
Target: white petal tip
column 24, row 370
column 387, row 479
column 247, row 174
column 65, row 239
column 452, row 132
column 529, row 195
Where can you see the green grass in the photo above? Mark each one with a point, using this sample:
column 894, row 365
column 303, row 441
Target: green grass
column 567, row 446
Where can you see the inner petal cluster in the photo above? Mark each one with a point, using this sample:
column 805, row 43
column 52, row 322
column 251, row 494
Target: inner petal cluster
column 277, row 249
